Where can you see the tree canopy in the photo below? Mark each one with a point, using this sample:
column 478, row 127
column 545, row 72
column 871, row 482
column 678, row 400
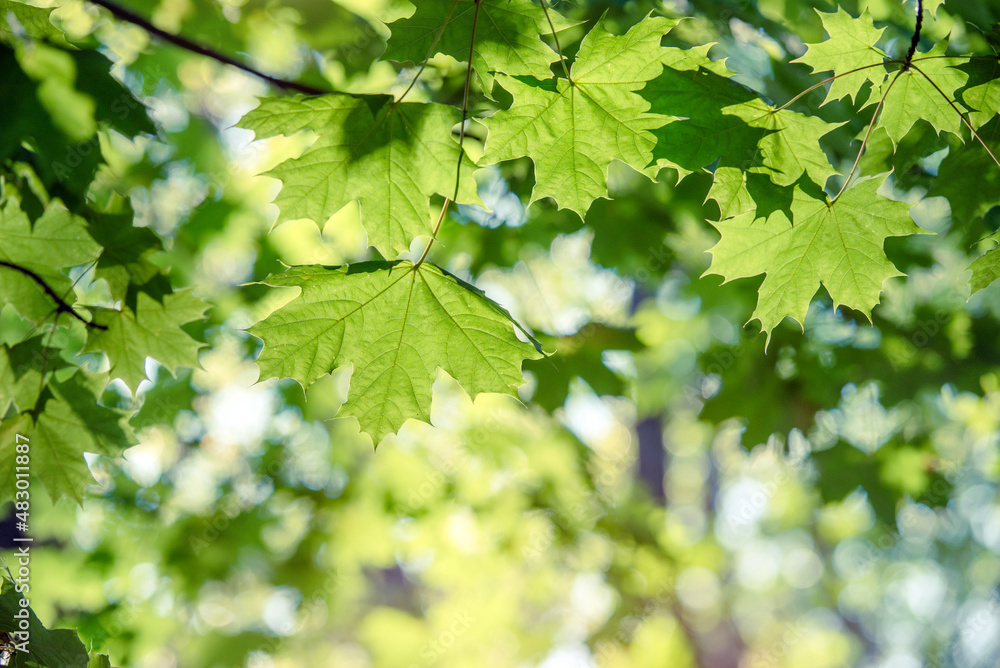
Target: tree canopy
column 395, row 333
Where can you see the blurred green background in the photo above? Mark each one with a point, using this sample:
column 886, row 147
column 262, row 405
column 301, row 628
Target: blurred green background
column 667, row 495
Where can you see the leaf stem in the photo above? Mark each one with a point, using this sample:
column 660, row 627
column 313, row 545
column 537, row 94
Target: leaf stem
column 835, row 76
column 555, row 38
column 61, row 305
column 130, row 17
column 868, row 133
column 894, row 61
column 437, row 226
column 461, row 137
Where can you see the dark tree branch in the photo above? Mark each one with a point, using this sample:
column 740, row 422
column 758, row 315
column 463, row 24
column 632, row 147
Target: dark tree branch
column 130, row 17
column 916, row 36
column 61, row 305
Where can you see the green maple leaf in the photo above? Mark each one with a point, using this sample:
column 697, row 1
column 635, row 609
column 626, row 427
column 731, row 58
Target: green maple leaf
column 698, row 133
column 729, row 190
column 127, row 252
column 982, row 98
column 912, row 97
column 790, row 146
column 736, row 192
column 152, row 330
column 715, row 119
column 838, row 245
column 985, row 269
column 397, row 324
column 47, row 647
column 507, row 36
column 391, row 157
column 850, row 47
column 70, row 423
column 21, row 369
column 98, row 661
column 19, row 19
column 932, row 6
column 572, row 130
column 969, row 169
column 10, row 428
column 56, row 241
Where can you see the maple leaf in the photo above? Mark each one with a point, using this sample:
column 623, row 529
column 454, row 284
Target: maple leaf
column 715, row 119
column 849, row 52
column 985, row 269
column 21, row 368
column 729, row 191
column 56, row 241
column 397, row 323
column 932, row 6
column 983, row 98
column 790, row 145
column 391, row 157
column 835, row 244
column 33, row 21
column 969, row 169
column 507, row 36
column 48, row 647
column 698, row 133
column 70, row 423
column 126, row 256
column 153, row 329
column 913, row 97
column 573, row 129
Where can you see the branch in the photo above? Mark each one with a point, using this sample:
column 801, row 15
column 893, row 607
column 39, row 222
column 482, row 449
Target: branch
column 916, row 36
column 61, row 305
column 130, row 17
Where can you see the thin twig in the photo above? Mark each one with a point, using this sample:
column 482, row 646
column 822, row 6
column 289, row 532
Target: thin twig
column 61, row 305
column 461, row 137
column 555, row 38
column 864, row 142
column 960, row 114
column 130, row 17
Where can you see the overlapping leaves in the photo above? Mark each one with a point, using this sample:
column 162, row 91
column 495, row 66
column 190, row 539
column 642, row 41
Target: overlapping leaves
column 573, row 128
column 850, row 54
column 623, row 98
column 37, row 254
column 507, row 36
column 391, row 157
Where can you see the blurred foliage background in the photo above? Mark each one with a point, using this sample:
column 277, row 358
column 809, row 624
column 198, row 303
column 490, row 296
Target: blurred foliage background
column 668, row 494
